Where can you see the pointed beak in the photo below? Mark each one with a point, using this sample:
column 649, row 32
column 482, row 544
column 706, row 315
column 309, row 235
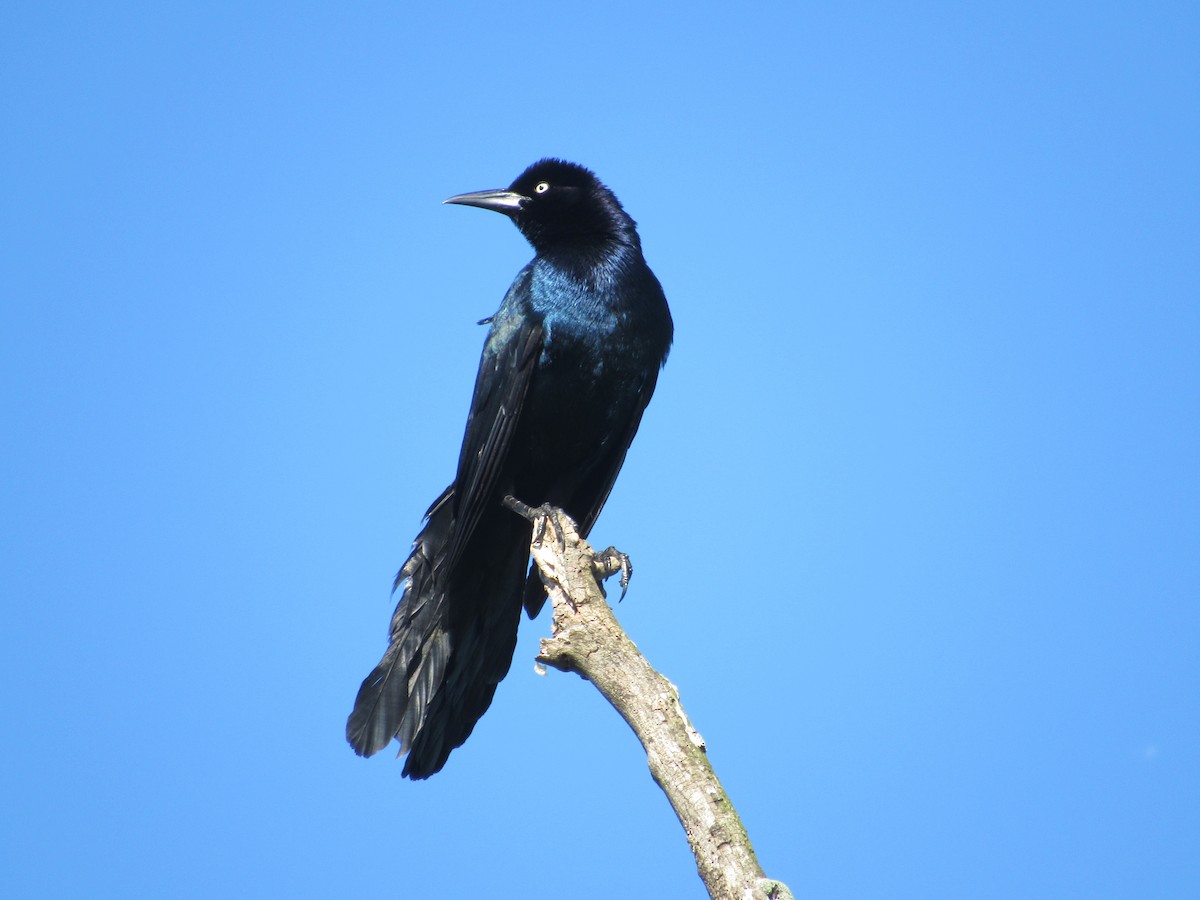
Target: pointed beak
column 507, row 202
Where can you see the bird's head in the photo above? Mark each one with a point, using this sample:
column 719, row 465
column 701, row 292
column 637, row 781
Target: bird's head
column 554, row 202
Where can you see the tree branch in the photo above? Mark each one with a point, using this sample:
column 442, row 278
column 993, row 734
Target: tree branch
column 587, row 639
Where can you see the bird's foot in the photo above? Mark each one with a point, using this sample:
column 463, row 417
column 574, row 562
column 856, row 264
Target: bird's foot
column 609, row 562
column 541, row 515
column 605, row 564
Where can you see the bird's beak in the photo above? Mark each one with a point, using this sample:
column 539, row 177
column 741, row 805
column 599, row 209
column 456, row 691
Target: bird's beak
column 507, row 202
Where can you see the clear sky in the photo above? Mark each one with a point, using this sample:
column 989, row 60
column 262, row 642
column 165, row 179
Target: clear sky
column 915, row 512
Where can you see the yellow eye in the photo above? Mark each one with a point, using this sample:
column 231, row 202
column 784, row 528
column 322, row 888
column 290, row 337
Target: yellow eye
column 542, row 187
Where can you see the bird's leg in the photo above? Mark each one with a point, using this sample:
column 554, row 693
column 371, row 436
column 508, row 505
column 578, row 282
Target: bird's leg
column 546, row 512
column 609, row 562
column 524, row 510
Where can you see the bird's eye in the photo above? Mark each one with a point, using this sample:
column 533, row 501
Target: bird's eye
column 542, row 187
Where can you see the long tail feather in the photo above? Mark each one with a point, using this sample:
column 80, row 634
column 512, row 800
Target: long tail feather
column 451, row 642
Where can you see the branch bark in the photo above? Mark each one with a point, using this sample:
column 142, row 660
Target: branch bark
column 587, row 639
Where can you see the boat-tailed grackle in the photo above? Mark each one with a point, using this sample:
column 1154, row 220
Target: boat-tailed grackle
column 570, row 361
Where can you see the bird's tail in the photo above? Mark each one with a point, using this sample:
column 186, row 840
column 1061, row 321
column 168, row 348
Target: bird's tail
column 452, row 640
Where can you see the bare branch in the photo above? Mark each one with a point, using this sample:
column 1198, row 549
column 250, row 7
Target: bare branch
column 587, row 639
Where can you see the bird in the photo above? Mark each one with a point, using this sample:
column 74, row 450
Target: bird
column 570, row 361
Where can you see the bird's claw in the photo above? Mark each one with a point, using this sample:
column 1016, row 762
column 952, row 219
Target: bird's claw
column 549, row 517
column 609, row 562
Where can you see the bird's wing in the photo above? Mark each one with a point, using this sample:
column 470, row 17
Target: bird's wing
column 505, row 369
column 593, row 491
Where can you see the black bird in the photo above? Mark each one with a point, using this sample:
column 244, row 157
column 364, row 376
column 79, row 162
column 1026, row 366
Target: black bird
column 569, row 364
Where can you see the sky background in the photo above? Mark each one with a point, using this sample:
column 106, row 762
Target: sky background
column 915, row 511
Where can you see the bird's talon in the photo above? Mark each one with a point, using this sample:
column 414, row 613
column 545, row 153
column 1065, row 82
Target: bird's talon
column 609, row 562
column 550, row 515
column 626, row 574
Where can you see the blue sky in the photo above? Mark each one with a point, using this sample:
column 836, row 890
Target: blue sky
column 915, row 511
